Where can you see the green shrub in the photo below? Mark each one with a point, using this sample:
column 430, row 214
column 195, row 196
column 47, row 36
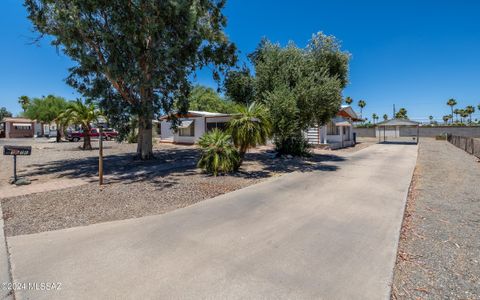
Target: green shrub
column 297, row 146
column 132, row 137
column 219, row 155
column 250, row 127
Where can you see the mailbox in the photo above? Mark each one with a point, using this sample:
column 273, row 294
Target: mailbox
column 14, row 151
column 17, row 150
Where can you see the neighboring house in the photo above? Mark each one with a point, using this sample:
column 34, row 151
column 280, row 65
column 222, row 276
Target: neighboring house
column 338, row 132
column 49, row 130
column 191, row 127
column 17, row 128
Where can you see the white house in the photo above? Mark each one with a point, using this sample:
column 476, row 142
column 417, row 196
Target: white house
column 192, row 126
column 338, row 132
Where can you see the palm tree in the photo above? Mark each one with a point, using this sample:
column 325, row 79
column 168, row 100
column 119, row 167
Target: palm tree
column 219, row 155
column 452, row 102
column 463, row 114
column 385, row 117
column 374, row 117
column 470, row 110
column 250, row 127
column 348, row 100
column 24, row 102
column 84, row 114
column 445, row 119
column 456, row 112
column 431, row 119
column 401, row 114
column 361, row 104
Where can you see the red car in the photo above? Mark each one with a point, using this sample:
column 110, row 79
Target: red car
column 108, row 134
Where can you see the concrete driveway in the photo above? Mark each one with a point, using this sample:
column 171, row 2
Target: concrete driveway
column 326, row 234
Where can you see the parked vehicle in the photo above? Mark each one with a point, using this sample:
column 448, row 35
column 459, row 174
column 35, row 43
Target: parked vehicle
column 108, row 134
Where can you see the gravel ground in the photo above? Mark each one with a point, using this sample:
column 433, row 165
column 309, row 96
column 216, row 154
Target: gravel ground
column 134, row 188
column 439, row 250
column 48, row 156
column 90, row 204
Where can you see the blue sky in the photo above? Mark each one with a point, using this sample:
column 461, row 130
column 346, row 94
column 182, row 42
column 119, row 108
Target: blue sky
column 415, row 54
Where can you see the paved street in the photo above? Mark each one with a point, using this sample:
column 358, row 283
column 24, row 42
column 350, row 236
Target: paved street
column 325, row 234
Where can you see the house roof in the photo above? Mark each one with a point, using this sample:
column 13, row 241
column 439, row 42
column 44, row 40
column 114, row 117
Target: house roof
column 343, row 124
column 185, row 124
column 347, row 111
column 195, row 113
column 14, row 119
column 398, row 122
column 206, row 113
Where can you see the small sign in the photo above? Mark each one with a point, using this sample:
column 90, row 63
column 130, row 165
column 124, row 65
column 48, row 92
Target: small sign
column 17, row 150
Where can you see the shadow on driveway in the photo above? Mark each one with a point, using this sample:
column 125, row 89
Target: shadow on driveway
column 121, row 167
column 126, row 168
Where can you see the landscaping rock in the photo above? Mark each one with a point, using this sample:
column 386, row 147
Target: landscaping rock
column 22, row 181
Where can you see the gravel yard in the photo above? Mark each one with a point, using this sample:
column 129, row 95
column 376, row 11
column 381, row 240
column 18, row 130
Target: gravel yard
column 54, row 160
column 439, row 251
column 133, row 188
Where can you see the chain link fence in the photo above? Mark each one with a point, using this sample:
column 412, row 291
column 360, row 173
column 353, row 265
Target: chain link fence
column 470, row 145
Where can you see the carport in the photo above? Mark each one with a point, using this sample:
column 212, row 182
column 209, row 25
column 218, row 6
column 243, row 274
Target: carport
column 390, row 131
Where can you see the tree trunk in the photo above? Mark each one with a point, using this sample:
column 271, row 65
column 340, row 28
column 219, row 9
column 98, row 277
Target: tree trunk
column 145, row 127
column 59, row 134
column 242, row 151
column 87, row 145
column 145, row 143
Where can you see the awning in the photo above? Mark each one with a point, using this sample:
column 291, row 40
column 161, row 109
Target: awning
column 185, row 124
column 22, row 124
column 343, row 124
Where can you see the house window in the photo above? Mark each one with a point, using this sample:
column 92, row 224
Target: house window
column 219, row 125
column 187, row 128
column 22, row 127
column 189, row 131
column 332, row 129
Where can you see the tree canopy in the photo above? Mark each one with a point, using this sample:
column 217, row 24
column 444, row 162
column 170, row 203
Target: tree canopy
column 24, row 102
column 207, row 99
column 135, row 57
column 300, row 87
column 239, row 86
column 47, row 110
column 401, row 114
column 4, row 113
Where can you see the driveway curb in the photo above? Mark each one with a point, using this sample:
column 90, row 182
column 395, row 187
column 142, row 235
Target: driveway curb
column 5, row 274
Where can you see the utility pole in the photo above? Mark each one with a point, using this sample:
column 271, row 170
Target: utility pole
column 394, row 112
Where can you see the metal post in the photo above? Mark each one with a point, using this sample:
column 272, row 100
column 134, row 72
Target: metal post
column 14, row 168
column 100, row 158
column 384, row 134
